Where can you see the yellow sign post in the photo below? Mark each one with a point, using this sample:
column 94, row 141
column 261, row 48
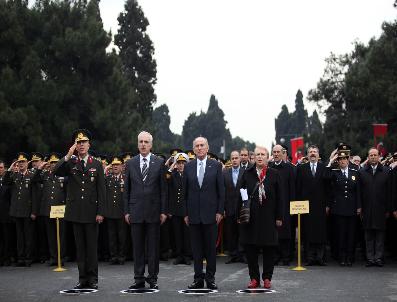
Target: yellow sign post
column 58, row 212
column 299, row 207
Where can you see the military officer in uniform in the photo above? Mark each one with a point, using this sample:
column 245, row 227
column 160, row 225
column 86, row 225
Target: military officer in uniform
column 86, row 193
column 345, row 204
column 6, row 224
column 23, row 207
column 177, row 208
column 114, row 212
column 40, row 232
column 54, row 194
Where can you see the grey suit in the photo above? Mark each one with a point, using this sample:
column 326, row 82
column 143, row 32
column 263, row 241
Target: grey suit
column 145, row 201
column 203, row 203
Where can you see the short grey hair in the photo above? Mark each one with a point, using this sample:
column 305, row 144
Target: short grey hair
column 146, row 133
column 202, row 137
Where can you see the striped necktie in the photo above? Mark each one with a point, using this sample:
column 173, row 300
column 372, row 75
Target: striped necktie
column 145, row 169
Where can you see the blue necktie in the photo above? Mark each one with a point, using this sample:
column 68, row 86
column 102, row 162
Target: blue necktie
column 201, row 174
column 235, row 176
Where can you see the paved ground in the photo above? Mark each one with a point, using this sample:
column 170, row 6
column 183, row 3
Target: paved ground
column 331, row 283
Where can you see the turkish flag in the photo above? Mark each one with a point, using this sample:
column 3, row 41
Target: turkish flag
column 297, row 147
column 380, row 130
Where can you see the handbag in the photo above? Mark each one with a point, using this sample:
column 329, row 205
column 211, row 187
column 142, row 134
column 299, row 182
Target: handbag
column 245, row 210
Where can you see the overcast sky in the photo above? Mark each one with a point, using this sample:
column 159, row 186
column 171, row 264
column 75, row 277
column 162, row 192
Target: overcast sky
column 253, row 55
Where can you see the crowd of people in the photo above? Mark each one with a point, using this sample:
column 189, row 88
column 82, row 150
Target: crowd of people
column 186, row 205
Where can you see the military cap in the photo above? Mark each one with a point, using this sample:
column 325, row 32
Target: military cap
column 21, row 156
column 212, row 155
column 181, row 157
column 343, row 147
column 117, row 160
column 81, row 135
column 395, row 156
column 343, row 154
column 190, row 154
column 175, row 151
column 53, row 157
column 228, row 163
column 160, row 155
column 37, row 156
column 127, row 155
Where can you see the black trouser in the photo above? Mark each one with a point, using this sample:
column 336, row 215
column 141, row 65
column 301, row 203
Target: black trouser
column 25, row 233
column 252, row 252
column 346, row 228
column 165, row 239
column 103, row 242
column 86, row 236
column 51, row 226
column 140, row 232
column 315, row 251
column 5, row 241
column 181, row 236
column 283, row 250
column 374, row 241
column 203, row 242
column 42, row 238
column 117, row 238
column 232, row 236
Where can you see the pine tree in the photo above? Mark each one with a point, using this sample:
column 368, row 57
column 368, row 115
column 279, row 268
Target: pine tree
column 136, row 53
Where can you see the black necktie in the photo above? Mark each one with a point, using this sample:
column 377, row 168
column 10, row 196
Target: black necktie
column 83, row 164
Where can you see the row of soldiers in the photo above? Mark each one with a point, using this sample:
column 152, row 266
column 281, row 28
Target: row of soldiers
column 350, row 204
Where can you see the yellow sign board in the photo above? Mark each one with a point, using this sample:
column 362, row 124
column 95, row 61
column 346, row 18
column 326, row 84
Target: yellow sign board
column 299, row 207
column 57, row 212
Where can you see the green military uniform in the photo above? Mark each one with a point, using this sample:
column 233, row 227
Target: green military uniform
column 114, row 215
column 22, row 205
column 53, row 194
column 85, row 199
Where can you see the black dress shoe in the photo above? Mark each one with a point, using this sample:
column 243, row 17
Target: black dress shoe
column 187, row 261
column 137, row 285
column 211, row 285
column 369, row 263
column 153, row 285
column 196, row 284
column 322, row 263
column 80, row 285
column 349, row 263
column 92, row 285
column 342, row 263
column 379, row 262
column 178, row 260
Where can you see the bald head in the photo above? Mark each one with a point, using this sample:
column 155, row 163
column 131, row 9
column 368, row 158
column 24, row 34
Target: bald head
column 277, row 153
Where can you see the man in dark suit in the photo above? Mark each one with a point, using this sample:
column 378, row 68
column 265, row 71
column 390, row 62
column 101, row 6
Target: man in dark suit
column 311, row 185
column 232, row 178
column 375, row 181
column 145, row 197
column 287, row 194
column 205, row 197
column 244, row 159
column 85, row 201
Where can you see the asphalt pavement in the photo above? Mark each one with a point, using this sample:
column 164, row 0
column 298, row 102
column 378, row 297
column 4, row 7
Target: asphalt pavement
column 330, row 283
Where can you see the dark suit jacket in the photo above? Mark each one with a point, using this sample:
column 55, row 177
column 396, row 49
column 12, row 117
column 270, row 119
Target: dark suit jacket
column 204, row 203
column 287, row 194
column 4, row 201
column 86, row 192
column 145, row 201
column 114, row 197
column 313, row 189
column 232, row 193
column 375, row 196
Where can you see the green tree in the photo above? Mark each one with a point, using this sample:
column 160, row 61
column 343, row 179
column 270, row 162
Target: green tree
column 136, row 53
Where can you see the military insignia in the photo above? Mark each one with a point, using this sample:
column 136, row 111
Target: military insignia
column 92, row 170
column 353, row 177
column 92, row 178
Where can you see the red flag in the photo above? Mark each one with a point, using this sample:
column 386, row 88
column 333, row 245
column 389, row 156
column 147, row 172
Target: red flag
column 380, row 130
column 296, row 149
